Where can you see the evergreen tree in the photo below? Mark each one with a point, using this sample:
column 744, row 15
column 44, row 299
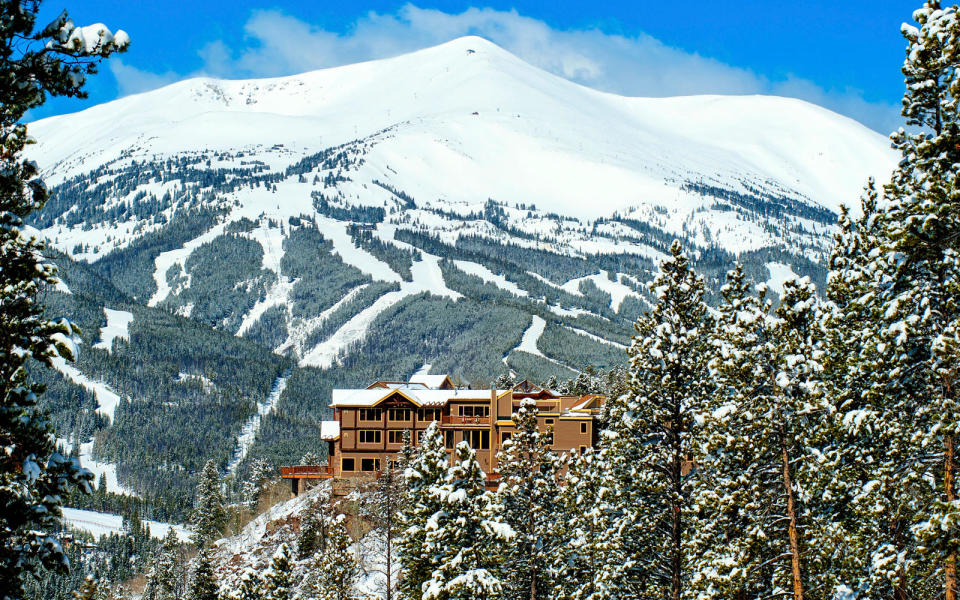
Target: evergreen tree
column 380, row 508
column 910, row 361
column 278, row 579
column 529, row 497
column 584, row 561
column 250, row 587
column 209, row 515
column 34, row 477
column 90, row 590
column 426, row 471
column 650, row 436
column 334, row 570
column 760, row 517
column 465, row 537
column 314, row 526
column 165, row 580
column 203, row 585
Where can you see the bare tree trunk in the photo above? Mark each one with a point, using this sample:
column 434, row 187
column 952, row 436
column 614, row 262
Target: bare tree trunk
column 950, row 568
column 792, row 526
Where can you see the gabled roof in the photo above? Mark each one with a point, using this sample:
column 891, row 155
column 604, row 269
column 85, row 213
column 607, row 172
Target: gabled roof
column 433, row 382
column 417, row 395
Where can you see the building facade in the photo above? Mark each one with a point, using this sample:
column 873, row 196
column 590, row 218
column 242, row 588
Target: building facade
column 368, row 429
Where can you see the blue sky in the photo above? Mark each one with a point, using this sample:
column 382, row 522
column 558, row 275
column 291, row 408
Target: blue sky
column 842, row 55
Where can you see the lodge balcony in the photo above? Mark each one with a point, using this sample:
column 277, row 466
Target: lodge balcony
column 306, row 472
column 457, row 420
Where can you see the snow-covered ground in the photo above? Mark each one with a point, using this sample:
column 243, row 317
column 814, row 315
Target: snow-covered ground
column 249, row 432
column 118, row 326
column 107, row 399
column 478, row 270
column 618, row 291
column 779, row 274
column 528, row 343
column 167, row 259
column 97, row 468
column 595, row 337
column 427, row 277
column 100, row 524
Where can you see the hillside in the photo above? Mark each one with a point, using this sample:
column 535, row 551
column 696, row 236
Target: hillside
column 235, row 249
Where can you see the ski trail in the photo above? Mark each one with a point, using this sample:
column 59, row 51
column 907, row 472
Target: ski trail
column 249, row 432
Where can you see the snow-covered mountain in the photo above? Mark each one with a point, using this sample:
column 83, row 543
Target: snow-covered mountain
column 454, row 209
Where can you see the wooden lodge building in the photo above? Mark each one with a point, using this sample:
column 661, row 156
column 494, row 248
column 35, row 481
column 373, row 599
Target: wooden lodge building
column 367, row 432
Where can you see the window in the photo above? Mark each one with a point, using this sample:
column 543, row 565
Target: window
column 369, row 464
column 428, row 414
column 347, row 464
column 478, row 439
column 393, row 465
column 398, row 414
column 371, row 414
column 548, row 422
column 473, row 411
column 506, row 435
column 583, row 450
column 369, row 436
column 583, row 428
column 448, row 439
column 394, row 437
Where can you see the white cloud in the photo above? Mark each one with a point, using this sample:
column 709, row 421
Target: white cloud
column 276, row 43
column 131, row 80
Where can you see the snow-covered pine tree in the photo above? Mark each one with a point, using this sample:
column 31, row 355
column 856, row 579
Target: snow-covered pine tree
column 649, row 441
column 921, row 302
column 427, row 470
column 278, row 581
column 209, row 515
column 34, row 477
column 250, row 587
column 203, row 584
column 529, row 498
column 584, row 565
column 758, row 530
column 380, row 507
column 314, row 523
column 167, row 575
column 466, row 536
column 90, row 590
column 334, row 570
column 504, row 381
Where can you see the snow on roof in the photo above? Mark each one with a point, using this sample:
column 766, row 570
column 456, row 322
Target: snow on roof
column 433, row 382
column 417, row 394
column 329, row 430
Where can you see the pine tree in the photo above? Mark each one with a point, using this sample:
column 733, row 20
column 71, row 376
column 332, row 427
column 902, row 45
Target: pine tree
column 165, row 580
column 90, row 589
column 426, row 471
column 278, row 579
column 380, row 507
column 203, row 585
column 760, row 524
column 913, row 356
column 465, row 536
column 529, row 498
column 314, row 525
column 250, row 587
column 34, row 477
column 334, row 571
column 209, row 515
column 650, row 436
column 584, row 565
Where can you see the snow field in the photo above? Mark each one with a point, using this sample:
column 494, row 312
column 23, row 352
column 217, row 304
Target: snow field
column 248, row 434
column 118, row 326
column 106, row 398
column 102, row 524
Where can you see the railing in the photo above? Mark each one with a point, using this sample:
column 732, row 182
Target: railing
column 306, row 471
column 455, row 420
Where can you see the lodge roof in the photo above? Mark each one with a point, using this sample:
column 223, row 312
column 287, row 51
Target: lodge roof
column 416, row 394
